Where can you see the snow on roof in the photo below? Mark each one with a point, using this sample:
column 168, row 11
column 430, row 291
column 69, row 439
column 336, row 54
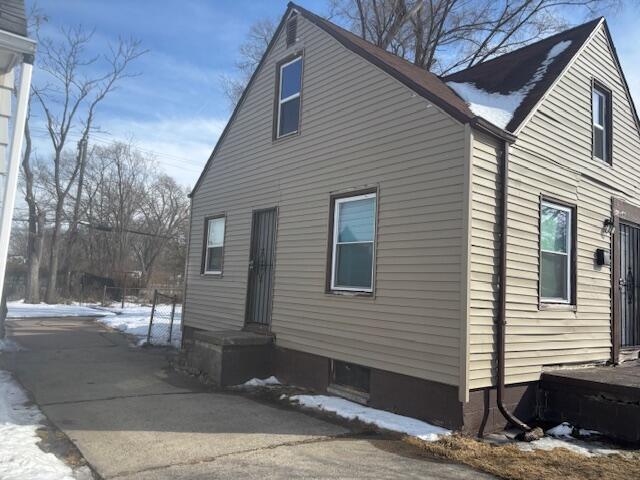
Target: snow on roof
column 498, row 108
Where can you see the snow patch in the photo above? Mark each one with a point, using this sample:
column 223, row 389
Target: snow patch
column 257, row 382
column 19, row 309
column 499, row 108
column 134, row 319
column 385, row 420
column 20, row 456
column 561, row 436
column 564, row 430
column 8, row 345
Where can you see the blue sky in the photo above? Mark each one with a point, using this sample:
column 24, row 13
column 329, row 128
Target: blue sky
column 175, row 108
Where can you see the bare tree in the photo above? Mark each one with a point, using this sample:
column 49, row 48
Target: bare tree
column 164, row 213
column 445, row 35
column 251, row 51
column 69, row 100
column 438, row 35
column 36, row 220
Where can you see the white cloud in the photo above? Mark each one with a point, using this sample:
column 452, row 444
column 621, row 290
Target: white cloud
column 180, row 145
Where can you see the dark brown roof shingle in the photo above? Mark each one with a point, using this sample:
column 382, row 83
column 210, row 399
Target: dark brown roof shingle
column 513, row 71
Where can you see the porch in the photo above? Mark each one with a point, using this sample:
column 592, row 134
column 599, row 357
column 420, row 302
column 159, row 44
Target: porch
column 606, row 399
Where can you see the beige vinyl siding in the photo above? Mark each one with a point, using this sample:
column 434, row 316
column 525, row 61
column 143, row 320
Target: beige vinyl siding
column 552, row 156
column 360, row 128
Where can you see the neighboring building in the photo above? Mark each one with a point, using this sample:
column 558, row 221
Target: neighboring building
column 16, row 49
column 352, row 210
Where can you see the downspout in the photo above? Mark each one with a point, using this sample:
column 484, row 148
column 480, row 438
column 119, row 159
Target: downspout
column 528, row 434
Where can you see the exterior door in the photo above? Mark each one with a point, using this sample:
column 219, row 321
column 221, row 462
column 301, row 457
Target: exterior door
column 261, row 267
column 629, row 285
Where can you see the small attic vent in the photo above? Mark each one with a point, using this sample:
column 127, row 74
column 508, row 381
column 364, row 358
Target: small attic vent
column 292, row 29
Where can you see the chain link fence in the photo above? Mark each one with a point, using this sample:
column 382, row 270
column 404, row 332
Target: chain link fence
column 126, row 296
column 165, row 320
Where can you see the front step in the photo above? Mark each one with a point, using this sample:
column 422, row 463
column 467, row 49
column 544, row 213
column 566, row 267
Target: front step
column 227, row 357
column 606, row 399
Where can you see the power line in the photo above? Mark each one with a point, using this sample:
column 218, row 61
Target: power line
column 43, row 133
column 104, row 228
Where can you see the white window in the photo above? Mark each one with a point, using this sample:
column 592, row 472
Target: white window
column 214, row 245
column 354, row 228
column 600, row 109
column 289, row 97
column 555, row 253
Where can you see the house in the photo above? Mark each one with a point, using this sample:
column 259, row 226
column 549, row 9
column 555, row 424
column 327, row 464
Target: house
column 16, row 49
column 347, row 231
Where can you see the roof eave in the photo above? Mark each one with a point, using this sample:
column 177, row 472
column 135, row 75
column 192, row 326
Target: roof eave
column 488, row 127
column 290, row 7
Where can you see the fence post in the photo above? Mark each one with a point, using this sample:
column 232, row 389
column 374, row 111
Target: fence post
column 153, row 310
column 173, row 311
column 104, row 296
column 124, row 288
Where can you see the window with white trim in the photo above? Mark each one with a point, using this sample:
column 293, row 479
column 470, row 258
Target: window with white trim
column 289, row 90
column 353, row 249
column 556, row 253
column 214, row 245
column 601, row 108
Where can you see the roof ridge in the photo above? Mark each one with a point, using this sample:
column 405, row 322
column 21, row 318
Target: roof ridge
column 595, row 21
column 350, row 33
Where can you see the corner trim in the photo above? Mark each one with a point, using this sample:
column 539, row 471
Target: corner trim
column 465, row 280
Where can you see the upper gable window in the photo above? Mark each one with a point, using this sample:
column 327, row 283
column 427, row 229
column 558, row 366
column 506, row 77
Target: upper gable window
column 601, row 112
column 290, row 87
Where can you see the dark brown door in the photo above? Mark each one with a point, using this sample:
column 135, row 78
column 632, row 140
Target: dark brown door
column 261, row 267
column 629, row 284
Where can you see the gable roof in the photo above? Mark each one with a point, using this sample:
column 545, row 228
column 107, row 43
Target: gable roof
column 512, row 84
column 517, row 81
column 424, row 83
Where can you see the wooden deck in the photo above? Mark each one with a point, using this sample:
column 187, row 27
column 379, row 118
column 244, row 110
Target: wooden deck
column 606, row 399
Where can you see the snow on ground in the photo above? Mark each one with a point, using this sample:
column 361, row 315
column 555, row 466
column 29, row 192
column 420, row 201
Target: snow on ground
column 499, row 108
column 385, row 420
column 561, row 436
column 8, row 345
column 19, row 309
column 257, row 382
column 20, row 456
column 133, row 319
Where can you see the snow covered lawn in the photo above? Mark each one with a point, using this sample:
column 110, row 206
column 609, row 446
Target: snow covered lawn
column 133, row 319
column 20, row 456
column 381, row 419
column 19, row 309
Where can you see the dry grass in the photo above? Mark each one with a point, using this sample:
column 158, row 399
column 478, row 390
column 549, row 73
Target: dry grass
column 509, row 462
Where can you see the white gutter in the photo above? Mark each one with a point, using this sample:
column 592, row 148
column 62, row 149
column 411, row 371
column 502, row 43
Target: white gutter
column 6, row 215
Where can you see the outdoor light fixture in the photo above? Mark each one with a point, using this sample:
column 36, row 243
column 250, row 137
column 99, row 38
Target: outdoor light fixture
column 609, row 226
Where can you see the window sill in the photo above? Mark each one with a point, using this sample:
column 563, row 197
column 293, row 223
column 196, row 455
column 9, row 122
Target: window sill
column 211, row 274
column 602, row 162
column 561, row 307
column 349, row 293
column 286, row 137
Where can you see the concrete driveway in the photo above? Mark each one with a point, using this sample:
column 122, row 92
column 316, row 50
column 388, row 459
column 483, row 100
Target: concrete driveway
column 132, row 417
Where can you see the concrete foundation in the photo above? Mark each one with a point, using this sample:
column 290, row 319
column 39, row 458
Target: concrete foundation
column 228, row 357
